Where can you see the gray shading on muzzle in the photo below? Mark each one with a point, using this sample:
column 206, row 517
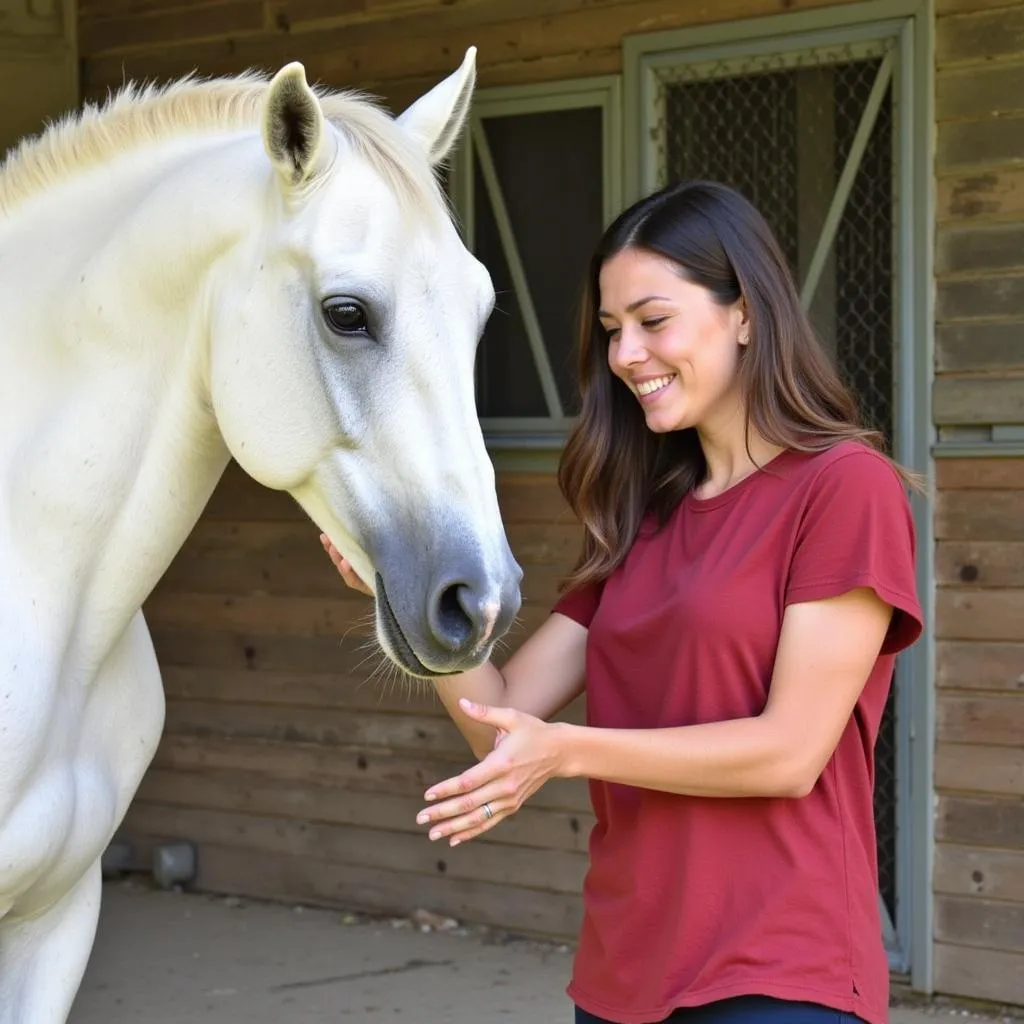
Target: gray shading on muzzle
column 442, row 603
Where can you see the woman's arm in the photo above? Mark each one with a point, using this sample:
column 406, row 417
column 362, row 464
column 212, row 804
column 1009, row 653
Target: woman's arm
column 825, row 655
column 544, row 675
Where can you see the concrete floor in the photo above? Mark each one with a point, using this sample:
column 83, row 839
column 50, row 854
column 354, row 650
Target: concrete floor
column 165, row 958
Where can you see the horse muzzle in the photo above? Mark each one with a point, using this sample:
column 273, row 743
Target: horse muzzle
column 456, row 618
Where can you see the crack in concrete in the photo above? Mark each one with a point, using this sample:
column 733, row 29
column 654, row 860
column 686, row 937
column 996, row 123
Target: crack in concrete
column 409, row 965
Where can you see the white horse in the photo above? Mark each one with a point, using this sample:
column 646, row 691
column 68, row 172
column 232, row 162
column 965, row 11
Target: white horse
column 231, row 268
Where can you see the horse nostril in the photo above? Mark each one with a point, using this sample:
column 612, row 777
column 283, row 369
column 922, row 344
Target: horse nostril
column 451, row 623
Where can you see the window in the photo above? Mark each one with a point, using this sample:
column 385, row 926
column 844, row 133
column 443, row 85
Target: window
column 534, row 182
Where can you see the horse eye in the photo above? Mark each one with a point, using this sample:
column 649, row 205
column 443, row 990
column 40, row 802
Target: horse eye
column 345, row 316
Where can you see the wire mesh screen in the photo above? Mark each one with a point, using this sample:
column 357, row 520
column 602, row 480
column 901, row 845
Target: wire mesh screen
column 780, row 129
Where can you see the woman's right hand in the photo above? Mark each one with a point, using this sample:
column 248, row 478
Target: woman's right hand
column 344, row 567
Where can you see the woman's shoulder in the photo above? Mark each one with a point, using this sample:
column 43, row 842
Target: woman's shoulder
column 849, row 463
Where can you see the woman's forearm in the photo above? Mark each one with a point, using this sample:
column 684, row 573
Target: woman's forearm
column 740, row 758
column 483, row 685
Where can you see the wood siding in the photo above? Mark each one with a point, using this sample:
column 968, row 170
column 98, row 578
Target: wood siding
column 979, row 388
column 979, row 761
column 395, row 48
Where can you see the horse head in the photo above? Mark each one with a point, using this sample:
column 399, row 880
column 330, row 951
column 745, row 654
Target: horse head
column 342, row 349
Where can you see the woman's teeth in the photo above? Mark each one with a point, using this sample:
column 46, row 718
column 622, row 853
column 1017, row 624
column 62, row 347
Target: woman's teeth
column 648, row 387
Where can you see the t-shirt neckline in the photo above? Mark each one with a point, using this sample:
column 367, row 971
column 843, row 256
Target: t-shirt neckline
column 730, row 494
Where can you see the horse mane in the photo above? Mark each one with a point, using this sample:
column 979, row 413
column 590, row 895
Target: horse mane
column 138, row 115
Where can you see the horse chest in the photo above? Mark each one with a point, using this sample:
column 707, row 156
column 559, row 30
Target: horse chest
column 88, row 739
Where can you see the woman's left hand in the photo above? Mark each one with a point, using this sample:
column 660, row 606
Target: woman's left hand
column 526, row 754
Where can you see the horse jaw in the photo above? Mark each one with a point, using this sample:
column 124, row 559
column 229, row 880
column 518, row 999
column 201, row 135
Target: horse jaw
column 437, row 118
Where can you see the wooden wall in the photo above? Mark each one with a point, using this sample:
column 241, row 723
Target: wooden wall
column 979, row 392
column 396, row 48
column 38, row 66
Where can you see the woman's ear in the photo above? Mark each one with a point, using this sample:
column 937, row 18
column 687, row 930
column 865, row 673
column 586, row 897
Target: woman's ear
column 743, row 334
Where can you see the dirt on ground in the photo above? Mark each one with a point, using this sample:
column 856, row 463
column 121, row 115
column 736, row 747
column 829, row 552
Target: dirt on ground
column 166, row 957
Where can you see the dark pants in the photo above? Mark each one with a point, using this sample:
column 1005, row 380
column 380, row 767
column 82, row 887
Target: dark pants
column 747, row 1010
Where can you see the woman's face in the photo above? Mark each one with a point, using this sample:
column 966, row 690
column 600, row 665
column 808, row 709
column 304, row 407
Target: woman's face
column 670, row 343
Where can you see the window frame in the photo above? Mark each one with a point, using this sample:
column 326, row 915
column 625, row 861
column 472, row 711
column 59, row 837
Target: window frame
column 536, row 434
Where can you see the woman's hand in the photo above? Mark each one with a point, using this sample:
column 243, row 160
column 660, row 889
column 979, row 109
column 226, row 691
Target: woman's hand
column 527, row 752
column 348, row 574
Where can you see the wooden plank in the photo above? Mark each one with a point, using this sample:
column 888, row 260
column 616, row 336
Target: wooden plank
column 991, row 720
column 979, row 92
column 980, row 666
column 307, row 801
column 363, row 769
column 980, row 614
column 231, row 572
column 522, row 498
column 300, row 689
column 980, row 515
column 287, row 690
column 980, row 474
column 277, row 616
column 980, row 36
column 134, row 30
column 980, row 194
column 255, row 652
column 423, row 734
column 970, row 921
column 975, row 248
column 970, row 400
column 979, row 973
column 962, row 144
column 538, row 543
column 965, row 871
column 980, row 821
column 105, row 8
column 982, row 974
column 980, row 297
column 551, row 871
column 981, row 563
column 294, row 616
column 980, row 768
column 980, row 346
column 315, row 882
column 362, row 53
column 945, row 7
column 210, row 648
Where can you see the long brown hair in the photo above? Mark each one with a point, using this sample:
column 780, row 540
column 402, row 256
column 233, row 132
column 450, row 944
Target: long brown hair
column 613, row 470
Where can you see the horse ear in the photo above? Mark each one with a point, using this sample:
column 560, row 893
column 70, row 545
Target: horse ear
column 293, row 126
column 437, row 118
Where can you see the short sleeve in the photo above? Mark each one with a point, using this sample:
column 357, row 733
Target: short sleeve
column 580, row 603
column 857, row 530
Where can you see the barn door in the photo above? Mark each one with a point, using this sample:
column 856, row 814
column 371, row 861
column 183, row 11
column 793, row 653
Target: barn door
column 810, row 135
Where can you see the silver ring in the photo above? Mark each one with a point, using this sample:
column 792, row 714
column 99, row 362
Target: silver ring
column 488, row 811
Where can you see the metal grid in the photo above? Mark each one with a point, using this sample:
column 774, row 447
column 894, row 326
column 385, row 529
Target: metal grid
column 782, row 129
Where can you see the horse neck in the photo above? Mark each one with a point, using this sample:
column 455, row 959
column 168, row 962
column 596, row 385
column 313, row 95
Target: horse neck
column 108, row 428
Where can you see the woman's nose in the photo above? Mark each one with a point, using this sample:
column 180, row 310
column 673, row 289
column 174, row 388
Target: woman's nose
column 628, row 351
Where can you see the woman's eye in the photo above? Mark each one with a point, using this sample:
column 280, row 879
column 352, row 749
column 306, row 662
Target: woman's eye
column 345, row 316
column 654, row 321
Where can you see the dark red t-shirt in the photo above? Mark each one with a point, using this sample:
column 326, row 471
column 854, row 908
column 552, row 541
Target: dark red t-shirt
column 689, row 900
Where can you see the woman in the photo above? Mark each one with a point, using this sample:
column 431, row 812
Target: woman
column 746, row 581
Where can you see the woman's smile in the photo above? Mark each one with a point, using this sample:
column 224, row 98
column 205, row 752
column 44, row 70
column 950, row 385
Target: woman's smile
column 652, row 388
